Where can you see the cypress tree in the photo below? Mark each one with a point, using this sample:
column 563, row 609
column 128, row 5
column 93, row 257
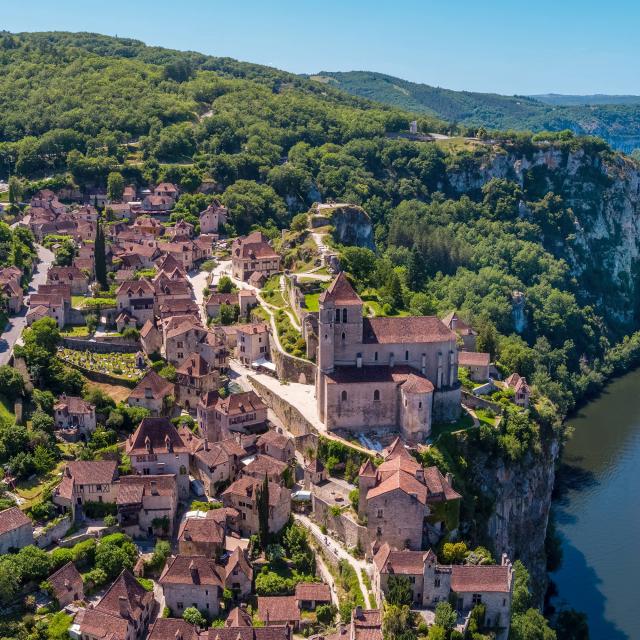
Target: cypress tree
column 100, row 258
column 263, row 513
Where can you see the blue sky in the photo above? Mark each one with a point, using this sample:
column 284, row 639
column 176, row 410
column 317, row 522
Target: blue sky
column 506, row 46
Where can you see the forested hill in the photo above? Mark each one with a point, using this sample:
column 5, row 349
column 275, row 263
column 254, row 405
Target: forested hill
column 617, row 122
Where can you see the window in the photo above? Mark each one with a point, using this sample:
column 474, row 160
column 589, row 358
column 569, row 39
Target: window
column 337, row 315
column 412, row 579
column 436, row 582
column 376, row 395
column 380, row 513
column 406, row 355
column 375, row 356
column 180, row 605
column 343, row 396
column 476, row 599
column 344, row 336
column 420, row 405
column 344, row 315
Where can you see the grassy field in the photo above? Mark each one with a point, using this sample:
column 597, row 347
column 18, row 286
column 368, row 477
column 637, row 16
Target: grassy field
column 373, row 307
column 118, row 392
column 465, row 421
column 6, row 410
column 75, row 332
column 311, row 301
column 31, row 490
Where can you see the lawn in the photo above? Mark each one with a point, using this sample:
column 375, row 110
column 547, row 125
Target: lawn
column 486, row 417
column 6, row 410
column 118, row 392
column 373, row 307
column 311, row 301
column 30, row 490
column 75, row 332
column 465, row 421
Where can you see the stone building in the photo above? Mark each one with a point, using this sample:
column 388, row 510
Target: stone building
column 521, row 389
column 253, row 253
column 212, row 217
column 467, row 334
column 74, row 417
column 477, row 363
column 195, row 377
column 277, row 445
column 157, row 448
column 217, row 463
column 464, row 585
column 399, row 500
column 192, row 581
column 136, row 297
column 16, row 530
column 314, row 473
column 173, row 629
column 279, row 611
column 243, row 412
column 203, row 536
column 66, row 585
column 383, row 372
column 242, row 495
column 252, row 343
column 152, row 392
column 238, row 574
column 260, row 466
column 309, row 595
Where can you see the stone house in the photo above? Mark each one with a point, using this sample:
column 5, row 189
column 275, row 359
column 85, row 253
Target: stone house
column 242, row 495
column 252, row 342
column 66, row 585
column 468, row 336
column 477, row 363
column 212, row 217
column 243, row 412
column 11, row 289
column 279, row 611
column 152, row 392
column 126, row 321
column 215, row 301
column 521, row 389
column 182, row 339
column 129, row 194
column 185, row 252
column 238, row 574
column 181, row 230
column 260, row 466
column 253, row 253
column 47, row 305
column 150, row 338
column 205, row 416
column 192, row 581
column 247, row 300
column 464, row 585
column 173, row 629
column 398, row 500
column 199, row 536
column 195, row 377
column 166, row 189
column 158, row 204
column 136, row 297
column 123, row 613
column 238, row 626
column 147, row 504
column 276, row 445
column 157, row 448
column 314, row 474
column 86, row 481
column 74, row 417
column 16, row 530
column 72, row 276
column 218, row 463
column 383, row 372
column 309, row 595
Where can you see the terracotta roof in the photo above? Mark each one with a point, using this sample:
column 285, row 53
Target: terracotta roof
column 473, row 359
column 65, row 580
column 192, row 570
column 255, row 245
column 147, row 327
column 159, row 387
column 317, row 591
column 395, row 449
column 367, row 469
column 316, row 466
column 238, row 560
column 480, row 578
column 514, row 381
column 209, row 399
column 73, row 404
column 438, row 485
column 215, row 453
column 278, row 609
column 263, row 464
column 103, row 625
column 172, row 629
column 238, row 617
column 417, row 384
column 222, row 298
column 202, row 530
column 367, row 624
column 400, row 374
column 405, row 330
column 400, row 481
column 246, row 487
column 340, row 292
column 240, row 403
column 274, row 632
column 457, row 324
column 187, row 323
column 275, row 439
column 194, row 365
column 141, row 287
column 399, row 562
column 91, row 471
column 399, row 463
column 125, row 586
column 11, row 519
column 132, row 489
column 253, row 329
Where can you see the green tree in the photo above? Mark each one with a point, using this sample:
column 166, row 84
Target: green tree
column 397, row 623
column 252, row 203
column 11, row 381
column 263, row 513
column 572, row 625
column 193, row 616
column 530, row 625
column 225, row 285
column 445, row 616
column 113, row 557
column 100, row 259
column 399, row 591
column 360, row 263
column 115, row 186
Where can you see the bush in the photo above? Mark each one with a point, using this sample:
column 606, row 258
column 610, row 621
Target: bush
column 98, row 510
column 110, row 520
column 193, row 616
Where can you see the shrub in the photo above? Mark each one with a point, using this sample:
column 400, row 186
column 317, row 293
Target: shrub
column 98, row 510
column 193, row 616
column 110, row 520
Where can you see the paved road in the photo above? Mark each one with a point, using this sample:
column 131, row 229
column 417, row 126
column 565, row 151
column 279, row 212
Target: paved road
column 17, row 323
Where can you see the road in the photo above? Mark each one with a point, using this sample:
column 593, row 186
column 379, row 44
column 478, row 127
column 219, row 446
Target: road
column 336, row 548
column 17, row 323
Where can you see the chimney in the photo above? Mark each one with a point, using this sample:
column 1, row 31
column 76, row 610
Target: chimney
column 147, row 443
column 193, row 570
column 206, row 444
column 154, row 488
column 449, row 478
column 358, row 612
column 123, row 606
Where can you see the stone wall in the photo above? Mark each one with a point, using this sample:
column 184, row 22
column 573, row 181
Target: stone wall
column 474, row 402
column 341, row 526
column 446, row 404
column 48, row 536
column 290, row 368
column 101, row 345
column 295, row 422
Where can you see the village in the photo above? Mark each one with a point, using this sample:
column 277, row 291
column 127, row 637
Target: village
column 271, row 485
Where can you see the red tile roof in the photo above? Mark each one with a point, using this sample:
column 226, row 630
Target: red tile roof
column 246, row 487
column 155, row 435
column 127, row 587
column 340, row 292
column 64, row 580
column 172, row 629
column 240, row 403
column 192, row 570
column 400, row 481
column 473, row 359
column 278, row 609
column 238, row 560
column 11, row 519
column 159, row 386
column 202, row 530
column 73, row 404
column 405, row 330
column 91, row 471
column 132, row 489
column 317, row 591
column 480, row 578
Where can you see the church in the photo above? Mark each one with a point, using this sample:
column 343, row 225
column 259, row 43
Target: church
column 399, row 373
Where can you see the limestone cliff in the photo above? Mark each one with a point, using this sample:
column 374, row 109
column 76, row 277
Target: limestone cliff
column 351, row 224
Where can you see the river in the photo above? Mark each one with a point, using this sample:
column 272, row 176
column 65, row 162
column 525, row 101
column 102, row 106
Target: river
column 598, row 514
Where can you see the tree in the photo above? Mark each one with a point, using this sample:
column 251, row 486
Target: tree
column 115, row 186
column 11, row 382
column 394, row 289
column 229, row 313
column 112, row 557
column 530, row 625
column 33, row 564
column 252, row 203
column 299, row 222
column 399, row 590
column 325, row 613
column 454, row 552
column 41, row 421
column 65, row 254
column 225, row 285
column 263, row 513
column 445, row 616
column 193, row 616
column 397, row 623
column 572, row 625
column 100, row 258
column 521, row 596
column 360, row 263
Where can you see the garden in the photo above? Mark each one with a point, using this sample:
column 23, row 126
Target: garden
column 116, row 365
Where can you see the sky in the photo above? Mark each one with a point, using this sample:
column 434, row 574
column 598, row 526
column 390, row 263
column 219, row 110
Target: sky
column 502, row 46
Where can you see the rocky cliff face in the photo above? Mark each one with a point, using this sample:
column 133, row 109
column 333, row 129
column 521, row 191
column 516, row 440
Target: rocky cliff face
column 602, row 192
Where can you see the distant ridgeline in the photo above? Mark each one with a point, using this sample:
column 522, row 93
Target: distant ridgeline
column 615, row 119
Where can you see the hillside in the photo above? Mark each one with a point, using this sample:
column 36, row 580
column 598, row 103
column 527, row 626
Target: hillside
column 618, row 123
column 595, row 99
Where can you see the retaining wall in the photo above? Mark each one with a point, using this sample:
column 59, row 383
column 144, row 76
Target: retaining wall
column 290, row 368
column 475, row 402
column 45, row 538
column 341, row 526
column 101, row 345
